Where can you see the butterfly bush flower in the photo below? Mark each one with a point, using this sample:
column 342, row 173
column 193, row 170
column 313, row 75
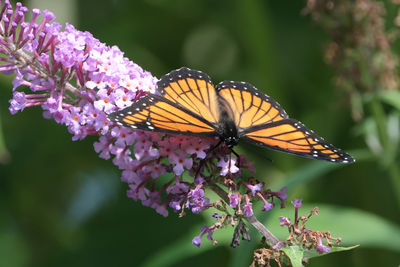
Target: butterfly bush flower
column 234, row 200
column 297, row 203
column 248, row 207
column 321, row 248
column 78, row 80
column 204, row 230
column 227, row 166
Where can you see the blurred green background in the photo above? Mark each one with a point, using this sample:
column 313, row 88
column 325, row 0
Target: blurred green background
column 61, row 205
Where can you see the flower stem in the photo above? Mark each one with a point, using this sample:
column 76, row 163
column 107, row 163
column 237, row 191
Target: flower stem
column 24, row 58
column 394, row 174
column 269, row 237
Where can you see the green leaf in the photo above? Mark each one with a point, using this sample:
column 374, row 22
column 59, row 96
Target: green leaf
column 313, row 253
column 295, row 254
column 391, row 98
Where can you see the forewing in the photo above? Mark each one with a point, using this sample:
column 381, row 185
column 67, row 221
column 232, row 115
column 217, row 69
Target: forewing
column 157, row 114
column 291, row 136
column 249, row 106
column 192, row 90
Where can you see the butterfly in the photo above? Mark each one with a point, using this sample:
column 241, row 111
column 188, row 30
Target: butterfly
column 187, row 103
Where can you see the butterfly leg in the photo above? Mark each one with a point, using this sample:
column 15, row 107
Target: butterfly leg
column 237, row 156
column 203, row 161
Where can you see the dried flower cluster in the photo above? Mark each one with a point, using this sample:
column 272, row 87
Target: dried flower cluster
column 360, row 46
column 299, row 234
column 263, row 256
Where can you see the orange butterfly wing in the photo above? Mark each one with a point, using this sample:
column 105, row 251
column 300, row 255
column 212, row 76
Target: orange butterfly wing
column 192, row 90
column 262, row 121
column 157, row 114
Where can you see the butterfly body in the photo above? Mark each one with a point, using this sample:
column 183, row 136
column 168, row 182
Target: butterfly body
column 228, row 132
column 187, row 103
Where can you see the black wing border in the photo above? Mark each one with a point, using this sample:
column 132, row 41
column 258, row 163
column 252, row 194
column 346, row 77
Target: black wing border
column 178, row 74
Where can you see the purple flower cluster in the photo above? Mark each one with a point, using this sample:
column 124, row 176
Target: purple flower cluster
column 77, row 80
column 255, row 190
column 196, row 199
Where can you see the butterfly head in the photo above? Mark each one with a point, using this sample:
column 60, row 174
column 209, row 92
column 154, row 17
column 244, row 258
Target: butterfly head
column 231, row 141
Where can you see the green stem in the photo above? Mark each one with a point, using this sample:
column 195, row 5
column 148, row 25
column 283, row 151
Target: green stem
column 394, row 174
column 270, row 238
column 380, row 119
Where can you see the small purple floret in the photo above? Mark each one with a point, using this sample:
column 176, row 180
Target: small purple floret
column 248, row 207
column 196, row 241
column 234, row 200
column 297, row 203
column 284, row 221
column 321, row 248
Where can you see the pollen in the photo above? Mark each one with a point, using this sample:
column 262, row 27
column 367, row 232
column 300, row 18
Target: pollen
column 94, row 115
column 76, row 118
column 106, row 100
column 124, row 98
column 123, row 135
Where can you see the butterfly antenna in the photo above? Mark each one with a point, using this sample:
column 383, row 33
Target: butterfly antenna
column 270, row 160
column 203, row 161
